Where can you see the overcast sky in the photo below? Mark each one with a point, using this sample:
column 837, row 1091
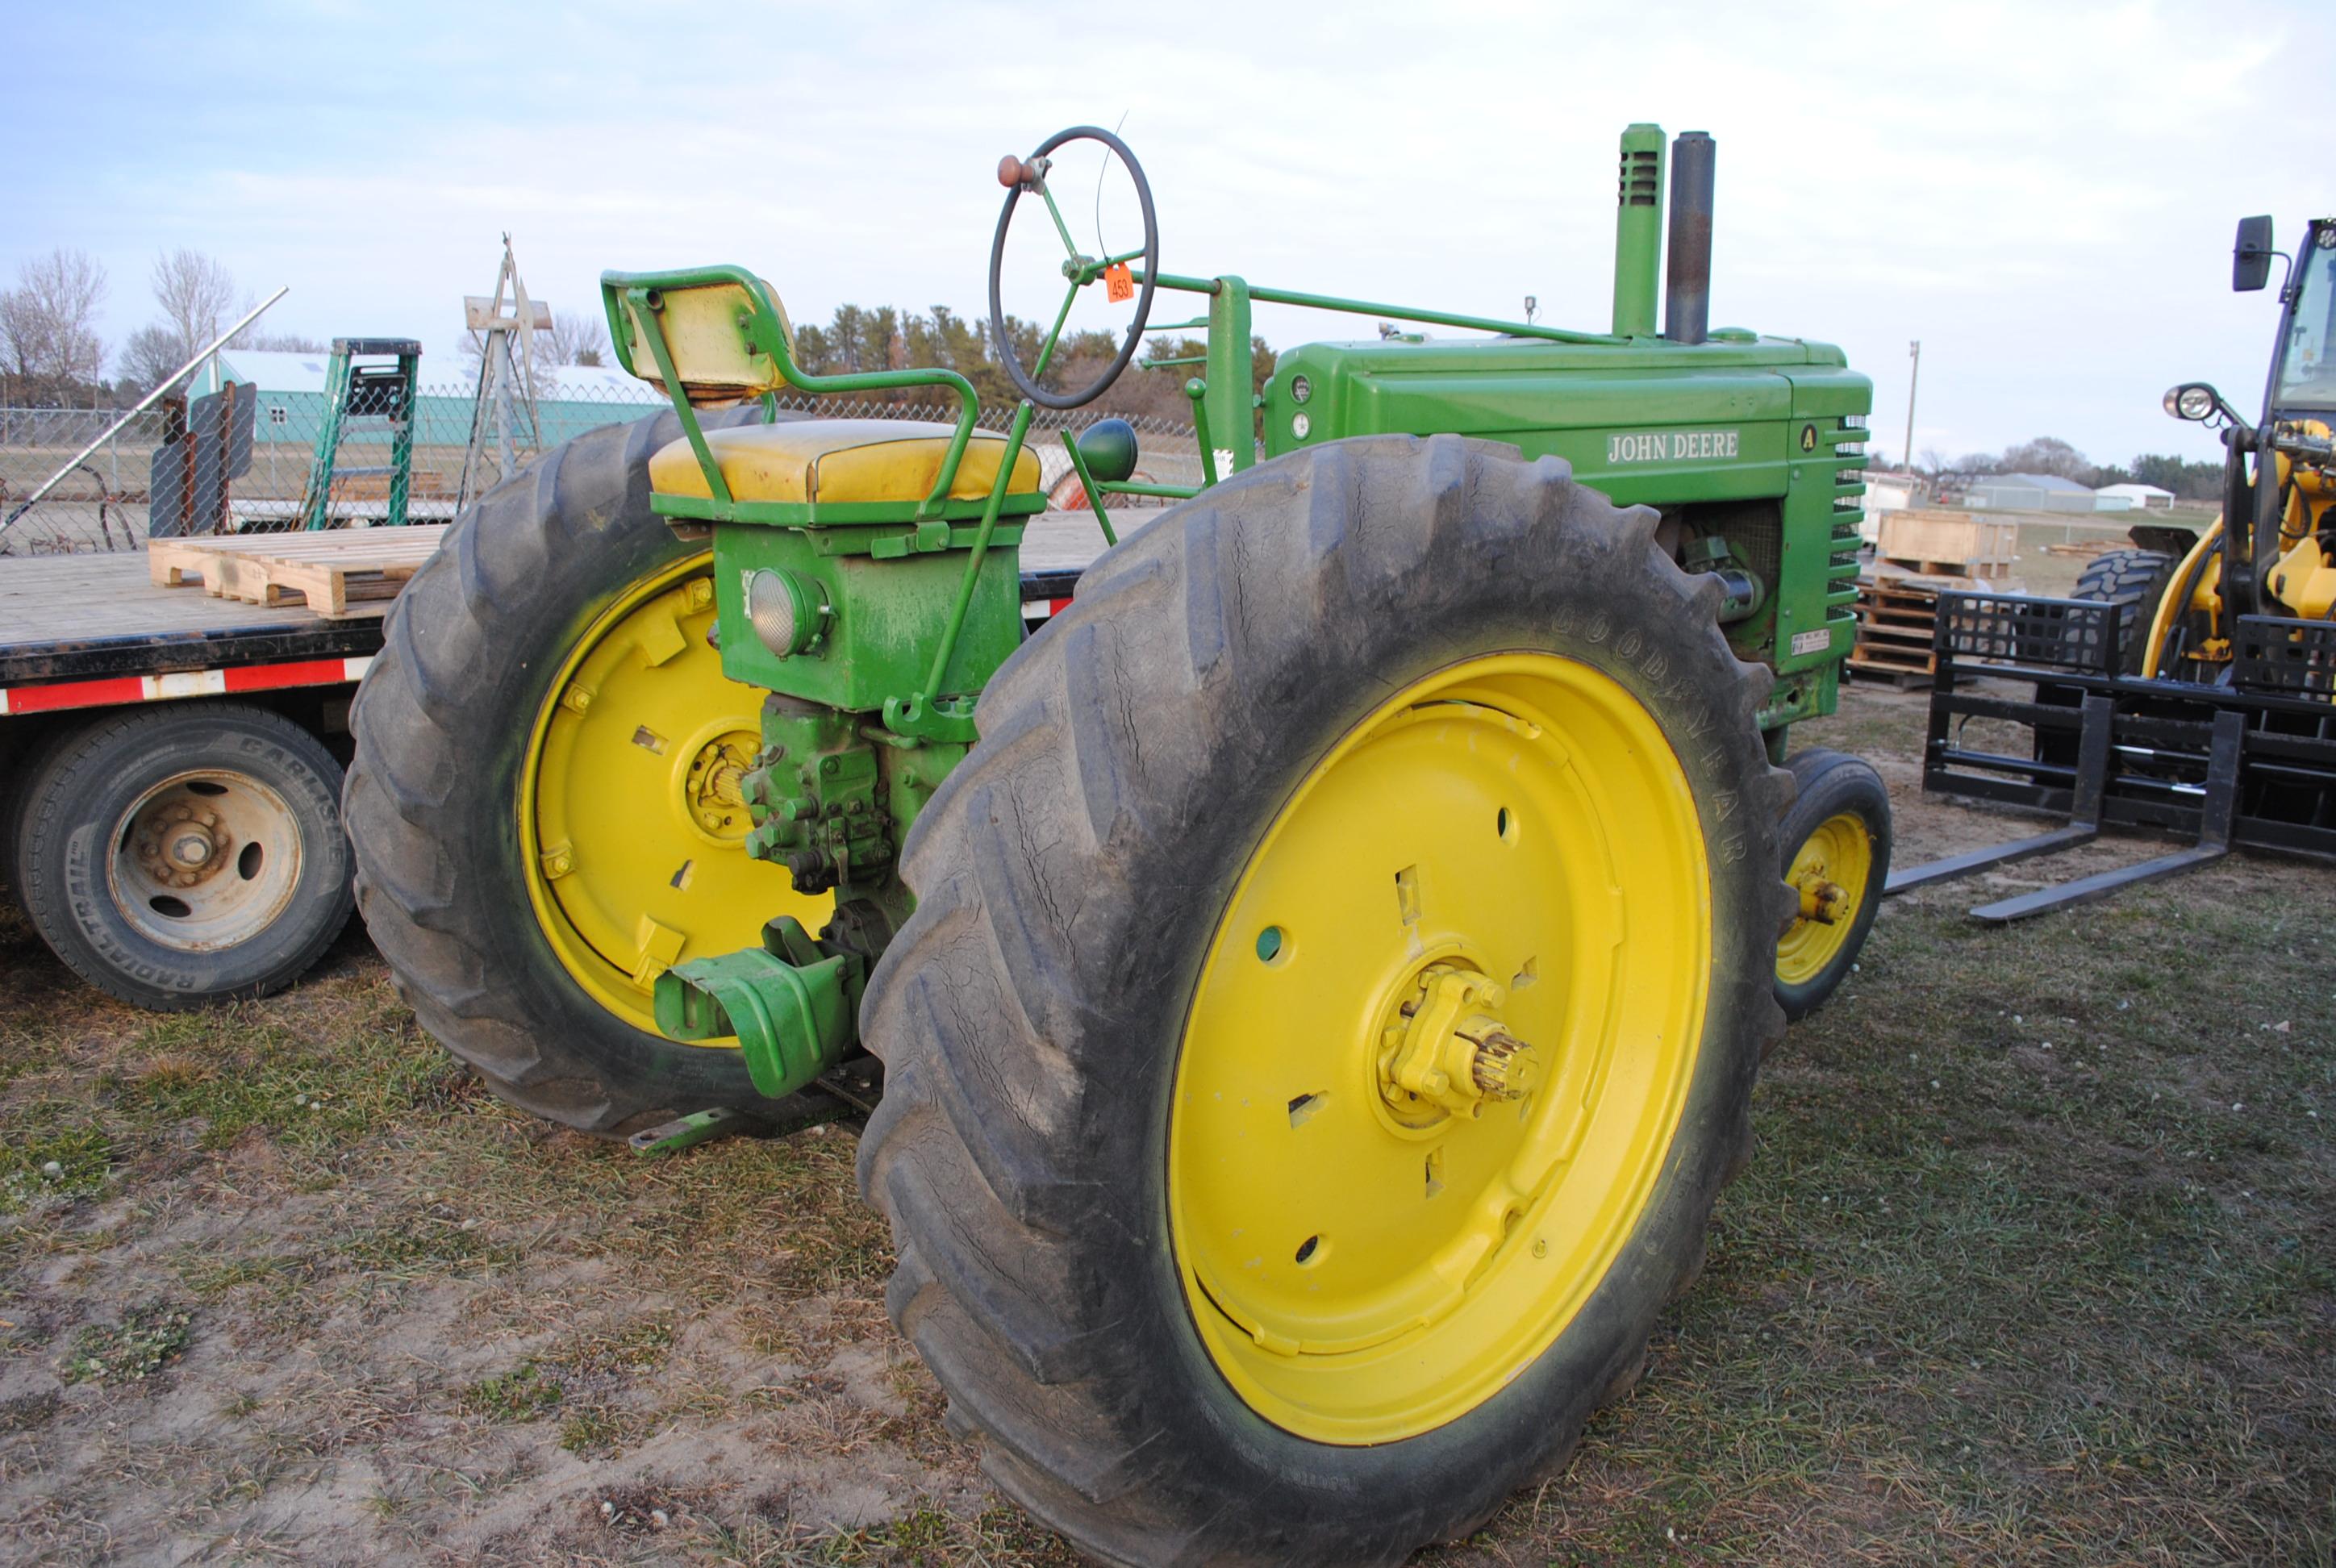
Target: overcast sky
column 2042, row 193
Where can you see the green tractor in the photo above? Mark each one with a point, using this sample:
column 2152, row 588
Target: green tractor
column 1314, row 983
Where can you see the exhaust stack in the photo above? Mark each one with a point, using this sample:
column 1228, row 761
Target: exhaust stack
column 1637, row 233
column 1687, row 294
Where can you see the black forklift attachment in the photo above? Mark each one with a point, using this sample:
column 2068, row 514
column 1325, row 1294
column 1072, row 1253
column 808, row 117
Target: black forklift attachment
column 2252, row 762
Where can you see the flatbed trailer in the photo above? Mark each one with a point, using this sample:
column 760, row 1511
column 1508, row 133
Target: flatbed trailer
column 170, row 767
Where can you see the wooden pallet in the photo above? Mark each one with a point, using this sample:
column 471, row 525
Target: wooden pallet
column 1895, row 621
column 337, row 572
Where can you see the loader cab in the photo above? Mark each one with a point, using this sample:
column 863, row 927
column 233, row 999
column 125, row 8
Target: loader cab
column 2303, row 363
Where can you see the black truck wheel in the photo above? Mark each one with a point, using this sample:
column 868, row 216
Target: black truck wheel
column 183, row 854
column 2137, row 579
column 1267, row 1183
column 1834, row 844
column 544, row 799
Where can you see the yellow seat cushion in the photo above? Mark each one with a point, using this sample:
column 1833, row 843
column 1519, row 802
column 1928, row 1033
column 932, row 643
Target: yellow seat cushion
column 837, row 461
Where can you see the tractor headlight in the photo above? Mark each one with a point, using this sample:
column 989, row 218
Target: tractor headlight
column 2192, row 400
column 786, row 612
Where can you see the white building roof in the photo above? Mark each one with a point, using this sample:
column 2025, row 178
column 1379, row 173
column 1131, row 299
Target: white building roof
column 271, row 370
column 2137, row 491
column 2051, row 481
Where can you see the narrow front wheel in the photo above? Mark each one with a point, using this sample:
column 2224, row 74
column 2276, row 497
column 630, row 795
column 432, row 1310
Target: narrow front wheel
column 1835, row 843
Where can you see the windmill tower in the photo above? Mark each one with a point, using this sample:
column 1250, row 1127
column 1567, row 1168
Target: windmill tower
column 502, row 410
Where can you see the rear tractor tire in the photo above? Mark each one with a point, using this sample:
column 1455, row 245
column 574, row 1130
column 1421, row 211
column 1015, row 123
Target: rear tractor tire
column 544, row 797
column 1332, row 1008
column 1834, row 842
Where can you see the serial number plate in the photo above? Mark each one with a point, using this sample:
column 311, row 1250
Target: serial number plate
column 1671, row 446
column 1812, row 641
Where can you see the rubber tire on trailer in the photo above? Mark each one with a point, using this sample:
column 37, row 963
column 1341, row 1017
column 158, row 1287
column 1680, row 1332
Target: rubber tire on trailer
column 1835, row 784
column 73, row 805
column 1069, row 876
column 2135, row 578
column 442, row 725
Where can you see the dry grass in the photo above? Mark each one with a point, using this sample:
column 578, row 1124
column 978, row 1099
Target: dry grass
column 2037, row 1263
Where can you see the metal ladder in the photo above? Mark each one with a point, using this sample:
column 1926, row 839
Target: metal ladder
column 365, row 397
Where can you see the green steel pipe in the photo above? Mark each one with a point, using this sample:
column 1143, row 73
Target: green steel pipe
column 1095, row 491
column 956, row 623
column 1208, row 285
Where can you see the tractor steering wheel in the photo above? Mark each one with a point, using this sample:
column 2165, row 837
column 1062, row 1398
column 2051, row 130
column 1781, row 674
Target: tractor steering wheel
column 1028, row 175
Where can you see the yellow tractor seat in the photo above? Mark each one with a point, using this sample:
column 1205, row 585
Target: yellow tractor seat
column 836, row 461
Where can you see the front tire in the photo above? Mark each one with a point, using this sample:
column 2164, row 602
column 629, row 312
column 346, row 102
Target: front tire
column 2137, row 579
column 1273, row 737
column 1836, row 846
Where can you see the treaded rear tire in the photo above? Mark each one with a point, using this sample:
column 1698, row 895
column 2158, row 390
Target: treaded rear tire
column 1069, row 875
column 441, row 724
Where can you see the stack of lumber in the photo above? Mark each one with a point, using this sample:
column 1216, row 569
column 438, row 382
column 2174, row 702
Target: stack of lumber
column 335, row 572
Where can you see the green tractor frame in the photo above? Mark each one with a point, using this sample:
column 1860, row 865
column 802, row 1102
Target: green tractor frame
column 1307, row 995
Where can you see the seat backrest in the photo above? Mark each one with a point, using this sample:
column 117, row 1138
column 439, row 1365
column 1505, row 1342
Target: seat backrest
column 721, row 329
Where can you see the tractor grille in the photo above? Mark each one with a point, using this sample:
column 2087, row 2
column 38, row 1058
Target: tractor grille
column 2296, row 657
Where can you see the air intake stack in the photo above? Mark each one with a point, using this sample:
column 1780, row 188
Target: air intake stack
column 1687, row 296
column 1638, row 231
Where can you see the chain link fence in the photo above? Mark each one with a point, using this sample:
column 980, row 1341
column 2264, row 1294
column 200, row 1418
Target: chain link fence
column 168, row 471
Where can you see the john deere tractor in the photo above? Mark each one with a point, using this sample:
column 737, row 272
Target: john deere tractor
column 1310, row 989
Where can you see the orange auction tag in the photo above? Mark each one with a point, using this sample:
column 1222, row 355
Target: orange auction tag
column 1118, row 283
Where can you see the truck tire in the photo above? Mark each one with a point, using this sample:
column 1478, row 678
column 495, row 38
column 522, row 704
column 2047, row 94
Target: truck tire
column 2137, row 579
column 535, row 798
column 1834, row 843
column 1387, row 723
column 184, row 854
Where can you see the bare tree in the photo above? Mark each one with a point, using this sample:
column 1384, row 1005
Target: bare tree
column 275, row 342
column 151, row 353
column 49, row 345
column 195, row 293
column 2045, row 454
column 576, row 339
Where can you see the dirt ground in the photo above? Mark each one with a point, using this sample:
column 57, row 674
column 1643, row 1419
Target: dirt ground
column 2036, row 1262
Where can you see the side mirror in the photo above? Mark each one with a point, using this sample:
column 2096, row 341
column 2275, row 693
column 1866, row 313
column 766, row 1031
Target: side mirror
column 2192, row 400
column 2250, row 254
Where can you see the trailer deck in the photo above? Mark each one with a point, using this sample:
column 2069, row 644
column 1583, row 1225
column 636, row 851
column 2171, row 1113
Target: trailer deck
column 91, row 630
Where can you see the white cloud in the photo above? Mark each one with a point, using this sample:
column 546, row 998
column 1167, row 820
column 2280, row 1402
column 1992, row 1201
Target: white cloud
column 2041, row 193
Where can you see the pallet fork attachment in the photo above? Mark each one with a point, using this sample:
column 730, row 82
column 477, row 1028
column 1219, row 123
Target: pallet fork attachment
column 2254, row 762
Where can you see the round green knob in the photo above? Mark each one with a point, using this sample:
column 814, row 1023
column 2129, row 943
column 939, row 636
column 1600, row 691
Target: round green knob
column 1108, row 448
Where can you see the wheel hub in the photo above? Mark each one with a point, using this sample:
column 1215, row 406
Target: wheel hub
column 1823, row 900
column 1446, row 1046
column 181, row 845
column 716, row 784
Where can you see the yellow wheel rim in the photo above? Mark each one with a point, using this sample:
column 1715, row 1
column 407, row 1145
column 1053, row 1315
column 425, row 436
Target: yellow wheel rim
column 1830, row 871
column 630, row 820
column 1373, row 1240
